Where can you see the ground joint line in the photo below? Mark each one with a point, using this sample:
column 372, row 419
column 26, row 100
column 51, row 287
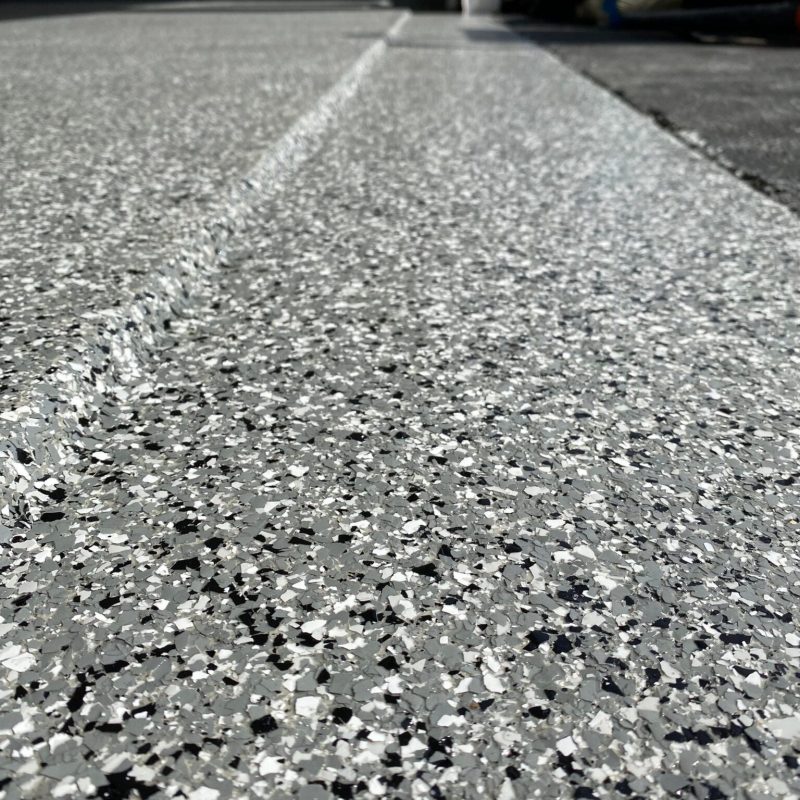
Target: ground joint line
column 46, row 424
column 298, row 142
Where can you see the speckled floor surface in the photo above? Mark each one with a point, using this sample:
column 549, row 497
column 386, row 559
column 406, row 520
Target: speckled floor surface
column 120, row 136
column 472, row 473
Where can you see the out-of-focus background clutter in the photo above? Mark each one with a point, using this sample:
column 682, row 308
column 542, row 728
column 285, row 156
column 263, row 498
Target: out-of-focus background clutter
column 723, row 16
column 770, row 18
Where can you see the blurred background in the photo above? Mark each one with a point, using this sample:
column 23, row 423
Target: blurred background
column 773, row 18
column 742, row 17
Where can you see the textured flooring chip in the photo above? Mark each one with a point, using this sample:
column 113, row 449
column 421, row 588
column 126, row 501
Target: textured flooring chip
column 473, row 475
column 124, row 145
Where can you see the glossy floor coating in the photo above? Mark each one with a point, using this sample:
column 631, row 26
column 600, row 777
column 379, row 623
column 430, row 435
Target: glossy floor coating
column 468, row 469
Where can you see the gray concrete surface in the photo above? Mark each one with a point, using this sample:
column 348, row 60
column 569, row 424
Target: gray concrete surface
column 737, row 102
column 471, row 473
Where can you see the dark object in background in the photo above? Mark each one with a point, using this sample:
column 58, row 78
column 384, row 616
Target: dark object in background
column 552, row 10
column 754, row 19
column 22, row 9
column 763, row 18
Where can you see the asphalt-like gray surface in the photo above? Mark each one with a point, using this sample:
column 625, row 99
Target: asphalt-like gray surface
column 472, row 472
column 737, row 102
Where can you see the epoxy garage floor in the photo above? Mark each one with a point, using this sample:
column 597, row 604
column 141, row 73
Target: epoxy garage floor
column 389, row 412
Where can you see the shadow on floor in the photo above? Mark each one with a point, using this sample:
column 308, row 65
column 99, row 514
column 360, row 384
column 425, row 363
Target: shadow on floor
column 558, row 35
column 24, row 10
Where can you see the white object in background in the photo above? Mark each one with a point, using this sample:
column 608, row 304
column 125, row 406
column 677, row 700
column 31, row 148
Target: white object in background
column 471, row 7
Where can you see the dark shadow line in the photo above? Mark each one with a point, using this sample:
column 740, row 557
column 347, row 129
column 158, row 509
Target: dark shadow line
column 21, row 10
column 555, row 34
